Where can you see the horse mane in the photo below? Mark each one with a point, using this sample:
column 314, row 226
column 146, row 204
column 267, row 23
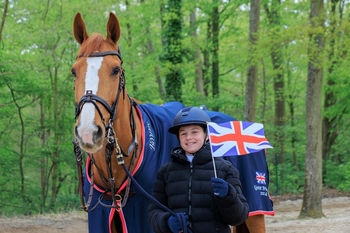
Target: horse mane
column 94, row 43
column 137, row 101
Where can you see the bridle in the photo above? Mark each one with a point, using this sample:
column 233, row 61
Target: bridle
column 92, row 98
column 112, row 142
column 89, row 97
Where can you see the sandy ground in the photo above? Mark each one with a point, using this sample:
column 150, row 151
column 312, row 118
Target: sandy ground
column 336, row 209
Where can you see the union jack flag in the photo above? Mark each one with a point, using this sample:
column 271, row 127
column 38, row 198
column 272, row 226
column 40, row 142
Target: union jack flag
column 236, row 138
column 260, row 177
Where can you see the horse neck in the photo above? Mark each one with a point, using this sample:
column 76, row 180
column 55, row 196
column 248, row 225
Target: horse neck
column 125, row 127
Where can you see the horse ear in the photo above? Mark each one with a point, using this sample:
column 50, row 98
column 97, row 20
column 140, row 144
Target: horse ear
column 113, row 28
column 79, row 29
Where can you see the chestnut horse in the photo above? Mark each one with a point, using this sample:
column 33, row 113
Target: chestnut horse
column 126, row 141
column 114, row 130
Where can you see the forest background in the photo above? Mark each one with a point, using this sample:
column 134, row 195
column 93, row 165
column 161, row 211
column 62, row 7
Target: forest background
column 214, row 57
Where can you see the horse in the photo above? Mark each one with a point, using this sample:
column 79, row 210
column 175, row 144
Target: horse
column 126, row 140
column 112, row 127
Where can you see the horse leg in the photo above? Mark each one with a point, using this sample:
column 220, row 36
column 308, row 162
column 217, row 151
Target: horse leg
column 116, row 225
column 240, row 228
column 253, row 224
column 114, row 230
column 256, row 223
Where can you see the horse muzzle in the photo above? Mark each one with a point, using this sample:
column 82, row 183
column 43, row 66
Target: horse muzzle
column 90, row 140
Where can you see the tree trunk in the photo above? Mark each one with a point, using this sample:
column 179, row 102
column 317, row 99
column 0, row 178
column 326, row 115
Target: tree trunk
column 173, row 51
column 21, row 140
column 294, row 137
column 252, row 73
column 291, row 107
column 197, row 54
column 264, row 92
column 43, row 160
column 150, row 48
column 2, row 25
column 273, row 16
column 55, row 152
column 329, row 132
column 159, row 80
column 206, row 61
column 161, row 88
column 312, row 199
column 215, row 52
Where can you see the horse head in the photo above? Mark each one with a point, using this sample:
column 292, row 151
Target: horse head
column 98, row 83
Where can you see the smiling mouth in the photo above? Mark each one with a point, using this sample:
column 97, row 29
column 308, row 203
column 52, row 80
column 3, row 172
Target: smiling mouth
column 191, row 143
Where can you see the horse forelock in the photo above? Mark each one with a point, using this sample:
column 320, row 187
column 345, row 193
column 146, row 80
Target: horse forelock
column 96, row 43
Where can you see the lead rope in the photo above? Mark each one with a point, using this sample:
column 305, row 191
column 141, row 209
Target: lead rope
column 180, row 216
column 183, row 223
column 78, row 155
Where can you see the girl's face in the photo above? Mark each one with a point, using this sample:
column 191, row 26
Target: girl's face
column 191, row 138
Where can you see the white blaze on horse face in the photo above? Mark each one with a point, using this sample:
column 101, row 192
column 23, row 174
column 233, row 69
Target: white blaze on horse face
column 87, row 128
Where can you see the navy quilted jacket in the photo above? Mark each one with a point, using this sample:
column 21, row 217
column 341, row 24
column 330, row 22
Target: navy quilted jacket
column 186, row 187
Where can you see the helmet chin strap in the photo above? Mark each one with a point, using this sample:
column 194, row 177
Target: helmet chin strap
column 206, row 136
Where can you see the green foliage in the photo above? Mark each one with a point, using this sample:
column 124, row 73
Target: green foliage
column 289, row 179
column 338, row 176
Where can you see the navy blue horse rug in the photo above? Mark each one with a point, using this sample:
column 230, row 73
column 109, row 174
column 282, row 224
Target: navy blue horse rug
column 158, row 143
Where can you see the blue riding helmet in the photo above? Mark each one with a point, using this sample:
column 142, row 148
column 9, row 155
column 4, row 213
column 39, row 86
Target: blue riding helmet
column 189, row 116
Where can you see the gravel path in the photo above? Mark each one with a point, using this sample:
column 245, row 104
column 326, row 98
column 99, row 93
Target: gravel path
column 336, row 209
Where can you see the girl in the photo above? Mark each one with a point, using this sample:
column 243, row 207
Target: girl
column 187, row 184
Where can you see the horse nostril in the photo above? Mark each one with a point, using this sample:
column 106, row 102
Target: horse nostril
column 99, row 132
column 76, row 131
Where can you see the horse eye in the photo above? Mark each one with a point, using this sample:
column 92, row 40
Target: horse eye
column 115, row 71
column 73, row 72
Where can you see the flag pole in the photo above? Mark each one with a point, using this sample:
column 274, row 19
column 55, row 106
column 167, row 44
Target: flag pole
column 211, row 150
column 214, row 166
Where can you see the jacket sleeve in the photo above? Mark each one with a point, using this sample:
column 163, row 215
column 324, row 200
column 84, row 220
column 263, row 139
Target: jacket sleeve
column 157, row 217
column 233, row 209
